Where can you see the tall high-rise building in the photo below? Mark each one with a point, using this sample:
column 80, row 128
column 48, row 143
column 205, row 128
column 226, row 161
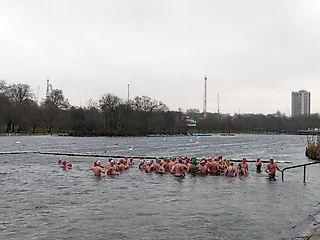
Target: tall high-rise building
column 300, row 103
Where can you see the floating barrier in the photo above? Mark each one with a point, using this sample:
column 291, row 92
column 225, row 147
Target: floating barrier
column 18, row 152
column 116, row 156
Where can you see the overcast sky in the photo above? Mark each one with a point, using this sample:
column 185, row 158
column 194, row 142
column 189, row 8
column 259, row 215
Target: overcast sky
column 254, row 53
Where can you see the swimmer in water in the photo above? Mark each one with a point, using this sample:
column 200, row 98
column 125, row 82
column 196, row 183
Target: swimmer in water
column 193, row 168
column 258, row 165
column 271, row 169
column 244, row 166
column 231, row 171
column 148, row 168
column 203, row 169
column 179, row 169
column 142, row 164
column 161, row 169
column 131, row 162
column 97, row 168
column 121, row 166
column 64, row 165
column 69, row 165
column 112, row 170
column 214, row 167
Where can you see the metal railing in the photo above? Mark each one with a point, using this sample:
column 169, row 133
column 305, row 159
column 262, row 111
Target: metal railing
column 300, row 165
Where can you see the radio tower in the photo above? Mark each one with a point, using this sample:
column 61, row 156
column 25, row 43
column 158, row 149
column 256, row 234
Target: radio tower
column 205, row 98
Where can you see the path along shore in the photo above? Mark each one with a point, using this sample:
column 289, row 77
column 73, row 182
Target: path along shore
column 312, row 234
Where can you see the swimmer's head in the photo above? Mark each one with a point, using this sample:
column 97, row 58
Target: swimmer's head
column 258, row 158
column 98, row 163
column 244, row 159
column 231, row 164
column 271, row 159
column 228, row 159
column 110, row 159
column 148, row 162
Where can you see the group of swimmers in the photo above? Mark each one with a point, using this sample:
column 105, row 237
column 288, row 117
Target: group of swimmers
column 112, row 167
column 64, row 164
column 179, row 166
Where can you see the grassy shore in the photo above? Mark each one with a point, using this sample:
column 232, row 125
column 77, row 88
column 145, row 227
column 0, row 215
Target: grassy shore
column 313, row 148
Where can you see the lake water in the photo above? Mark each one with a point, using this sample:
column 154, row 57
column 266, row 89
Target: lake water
column 41, row 201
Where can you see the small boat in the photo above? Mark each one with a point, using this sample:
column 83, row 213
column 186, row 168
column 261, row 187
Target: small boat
column 202, row 134
column 226, row 134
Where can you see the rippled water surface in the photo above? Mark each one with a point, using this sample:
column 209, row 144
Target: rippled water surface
column 41, row 201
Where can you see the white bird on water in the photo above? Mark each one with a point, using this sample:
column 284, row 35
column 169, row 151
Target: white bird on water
column 130, row 149
column 18, row 142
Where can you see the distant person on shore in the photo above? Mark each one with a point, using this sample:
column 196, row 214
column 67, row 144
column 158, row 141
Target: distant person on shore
column 97, row 168
column 271, row 169
column 258, row 165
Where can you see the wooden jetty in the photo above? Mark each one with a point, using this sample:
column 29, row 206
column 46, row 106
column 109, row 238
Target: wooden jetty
column 115, row 156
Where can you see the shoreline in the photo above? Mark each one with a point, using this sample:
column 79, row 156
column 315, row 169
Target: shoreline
column 313, row 232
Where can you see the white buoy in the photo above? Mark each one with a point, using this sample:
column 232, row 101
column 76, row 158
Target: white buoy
column 18, row 142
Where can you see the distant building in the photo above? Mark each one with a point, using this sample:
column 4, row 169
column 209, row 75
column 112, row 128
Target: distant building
column 300, row 103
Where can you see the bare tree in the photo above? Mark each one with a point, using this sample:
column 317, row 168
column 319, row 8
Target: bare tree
column 109, row 103
column 20, row 92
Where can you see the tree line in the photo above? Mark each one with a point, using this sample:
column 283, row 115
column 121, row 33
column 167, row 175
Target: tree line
column 110, row 115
